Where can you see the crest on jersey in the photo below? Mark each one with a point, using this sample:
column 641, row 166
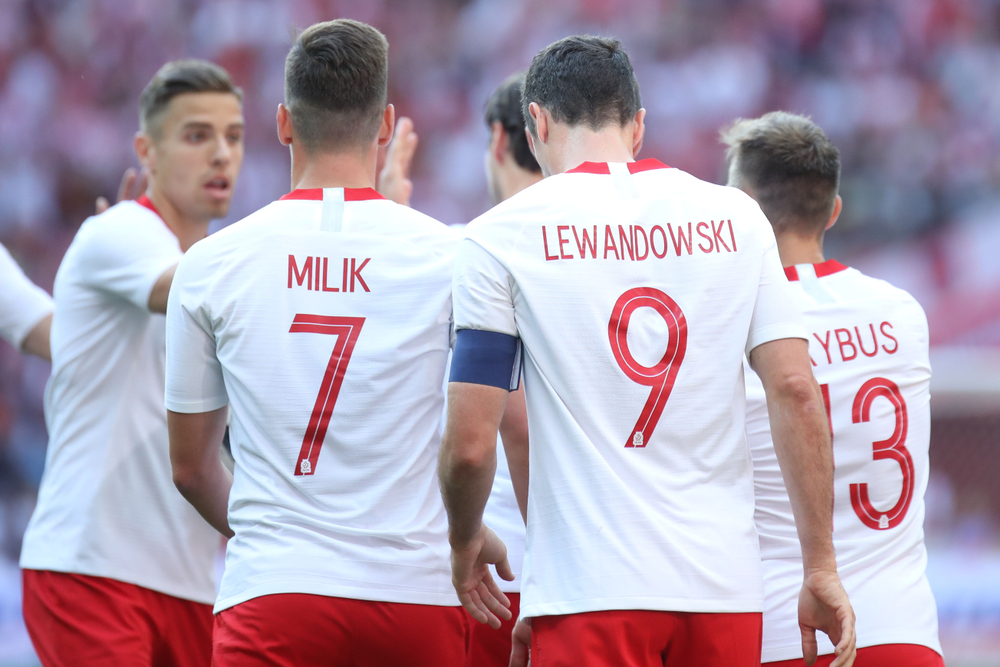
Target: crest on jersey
column 306, row 467
column 637, row 439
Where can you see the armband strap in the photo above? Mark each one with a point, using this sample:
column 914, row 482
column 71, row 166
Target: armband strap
column 487, row 358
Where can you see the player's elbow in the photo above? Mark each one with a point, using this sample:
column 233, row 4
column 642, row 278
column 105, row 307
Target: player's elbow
column 186, row 478
column 796, row 390
column 464, row 453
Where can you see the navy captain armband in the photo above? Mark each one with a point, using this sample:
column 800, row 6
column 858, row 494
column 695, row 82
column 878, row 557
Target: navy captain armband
column 488, row 358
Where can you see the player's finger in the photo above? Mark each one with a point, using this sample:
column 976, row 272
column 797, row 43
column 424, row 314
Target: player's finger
column 491, row 618
column 809, row 647
column 494, row 599
column 405, row 146
column 140, row 184
column 128, row 182
column 470, row 606
column 846, row 647
column 520, row 640
column 494, row 589
column 504, row 571
column 101, row 205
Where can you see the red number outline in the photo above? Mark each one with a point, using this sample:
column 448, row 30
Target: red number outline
column 346, row 329
column 894, row 447
column 660, row 377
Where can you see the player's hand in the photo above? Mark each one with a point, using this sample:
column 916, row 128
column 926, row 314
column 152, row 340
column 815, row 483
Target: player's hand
column 823, row 605
column 470, row 573
column 520, row 655
column 394, row 181
column 132, row 186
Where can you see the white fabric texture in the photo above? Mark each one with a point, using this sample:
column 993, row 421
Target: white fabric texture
column 860, row 329
column 359, row 515
column 107, row 505
column 22, row 303
column 625, row 513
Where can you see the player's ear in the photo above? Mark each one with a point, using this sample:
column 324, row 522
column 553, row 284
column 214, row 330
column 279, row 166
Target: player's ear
column 638, row 131
column 541, row 122
column 838, row 206
column 499, row 141
column 145, row 151
column 284, row 122
column 388, row 125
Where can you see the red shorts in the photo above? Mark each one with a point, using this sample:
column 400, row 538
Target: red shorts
column 636, row 638
column 885, row 655
column 299, row 630
column 489, row 647
column 76, row 620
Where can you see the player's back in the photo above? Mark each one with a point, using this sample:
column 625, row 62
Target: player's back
column 636, row 290
column 869, row 348
column 332, row 325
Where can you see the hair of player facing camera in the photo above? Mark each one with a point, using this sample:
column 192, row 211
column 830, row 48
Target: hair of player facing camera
column 336, row 84
column 582, row 80
column 177, row 78
column 504, row 107
column 791, row 167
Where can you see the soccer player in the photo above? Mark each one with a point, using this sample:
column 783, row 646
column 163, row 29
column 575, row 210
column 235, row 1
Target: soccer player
column 868, row 344
column 632, row 292
column 510, row 168
column 25, row 310
column 118, row 568
column 324, row 322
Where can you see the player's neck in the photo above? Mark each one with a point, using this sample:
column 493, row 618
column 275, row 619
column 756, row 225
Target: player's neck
column 797, row 249
column 333, row 170
column 580, row 144
column 187, row 230
column 518, row 179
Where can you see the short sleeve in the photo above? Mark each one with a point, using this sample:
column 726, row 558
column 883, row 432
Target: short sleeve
column 22, row 303
column 195, row 382
column 481, row 290
column 125, row 255
column 775, row 315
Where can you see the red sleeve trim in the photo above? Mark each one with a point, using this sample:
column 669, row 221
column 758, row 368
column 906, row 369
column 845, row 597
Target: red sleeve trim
column 350, row 194
column 829, row 267
column 603, row 168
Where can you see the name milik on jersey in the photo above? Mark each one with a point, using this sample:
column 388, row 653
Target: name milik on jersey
column 635, row 243
column 313, row 273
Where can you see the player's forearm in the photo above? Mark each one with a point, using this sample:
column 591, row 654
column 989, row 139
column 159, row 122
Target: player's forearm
column 467, row 461
column 198, row 471
column 801, row 437
column 514, row 433
column 38, row 341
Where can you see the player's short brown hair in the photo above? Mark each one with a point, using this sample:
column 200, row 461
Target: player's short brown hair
column 582, row 80
column 504, row 107
column 176, row 78
column 336, row 84
column 790, row 166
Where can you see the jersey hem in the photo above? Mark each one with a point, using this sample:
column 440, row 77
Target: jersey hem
column 352, row 593
column 788, row 652
column 713, row 606
column 196, row 406
column 35, row 319
column 773, row 333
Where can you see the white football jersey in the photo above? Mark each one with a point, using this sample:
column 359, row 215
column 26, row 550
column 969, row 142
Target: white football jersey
column 107, row 505
column 22, row 303
column 324, row 321
column 868, row 344
column 635, row 290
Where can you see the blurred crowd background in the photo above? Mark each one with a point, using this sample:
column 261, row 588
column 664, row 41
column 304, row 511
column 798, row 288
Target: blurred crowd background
column 909, row 90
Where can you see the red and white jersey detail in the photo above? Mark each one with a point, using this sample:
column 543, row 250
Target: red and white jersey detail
column 636, row 290
column 107, row 505
column 324, row 321
column 22, row 303
column 868, row 343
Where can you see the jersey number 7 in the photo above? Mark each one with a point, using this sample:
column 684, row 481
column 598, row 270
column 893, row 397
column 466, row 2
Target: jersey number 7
column 346, row 329
column 659, row 377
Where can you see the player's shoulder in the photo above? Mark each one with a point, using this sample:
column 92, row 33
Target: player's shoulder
column 872, row 287
column 410, row 225
column 124, row 218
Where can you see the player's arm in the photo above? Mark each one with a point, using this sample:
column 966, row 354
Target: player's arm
column 394, row 180
column 161, row 290
column 38, row 340
column 801, row 437
column 199, row 473
column 514, row 432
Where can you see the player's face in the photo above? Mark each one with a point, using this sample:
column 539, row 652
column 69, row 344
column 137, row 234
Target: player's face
column 196, row 159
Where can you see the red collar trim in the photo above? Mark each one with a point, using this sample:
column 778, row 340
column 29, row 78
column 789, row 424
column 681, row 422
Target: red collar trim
column 143, row 200
column 822, row 269
column 603, row 168
column 350, row 194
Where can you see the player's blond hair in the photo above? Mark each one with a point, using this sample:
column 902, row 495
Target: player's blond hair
column 789, row 165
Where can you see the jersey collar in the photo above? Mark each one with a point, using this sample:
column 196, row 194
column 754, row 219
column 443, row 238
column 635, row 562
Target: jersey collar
column 822, row 269
column 350, row 194
column 603, row 168
column 143, row 200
